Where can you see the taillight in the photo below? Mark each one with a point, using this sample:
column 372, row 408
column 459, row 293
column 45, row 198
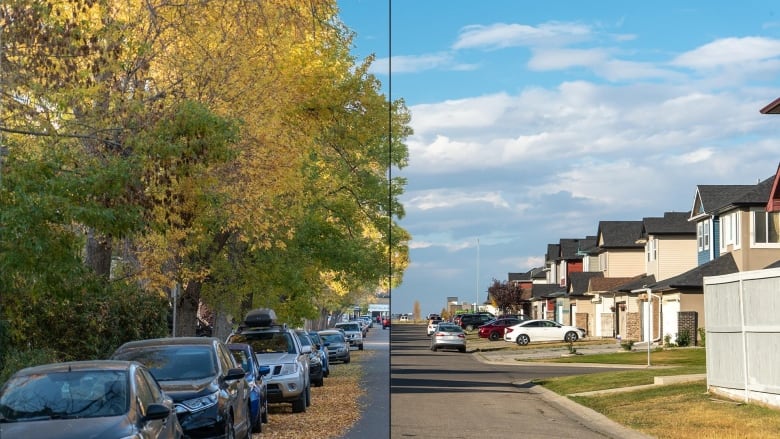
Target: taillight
column 461, row 336
column 508, row 330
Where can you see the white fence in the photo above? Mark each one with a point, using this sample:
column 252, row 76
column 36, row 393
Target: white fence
column 742, row 315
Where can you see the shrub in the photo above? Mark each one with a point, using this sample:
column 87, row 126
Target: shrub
column 684, row 338
column 702, row 335
column 627, row 345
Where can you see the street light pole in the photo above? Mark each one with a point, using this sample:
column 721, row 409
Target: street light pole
column 476, row 291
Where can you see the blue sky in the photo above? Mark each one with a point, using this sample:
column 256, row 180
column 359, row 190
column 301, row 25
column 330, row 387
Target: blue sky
column 535, row 121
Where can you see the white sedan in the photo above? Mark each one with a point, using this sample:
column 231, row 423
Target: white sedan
column 542, row 330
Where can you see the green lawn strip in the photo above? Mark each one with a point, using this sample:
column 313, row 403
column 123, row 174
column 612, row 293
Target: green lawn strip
column 683, row 411
column 684, row 362
column 662, row 357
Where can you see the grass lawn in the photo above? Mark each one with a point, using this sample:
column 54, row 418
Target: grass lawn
column 678, row 411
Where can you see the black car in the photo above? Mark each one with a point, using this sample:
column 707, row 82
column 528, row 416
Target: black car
column 316, row 368
column 469, row 322
column 202, row 377
column 84, row 399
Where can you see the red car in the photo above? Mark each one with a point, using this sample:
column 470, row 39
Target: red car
column 385, row 322
column 494, row 329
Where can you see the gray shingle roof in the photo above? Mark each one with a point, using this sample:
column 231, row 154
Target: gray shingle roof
column 541, row 291
column 579, row 282
column 620, row 234
column 694, row 278
column 672, row 223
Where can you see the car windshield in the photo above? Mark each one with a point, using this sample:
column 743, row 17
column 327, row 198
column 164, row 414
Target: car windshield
column 64, row 395
column 332, row 338
column 266, row 342
column 349, row 327
column 173, row 363
column 449, row 328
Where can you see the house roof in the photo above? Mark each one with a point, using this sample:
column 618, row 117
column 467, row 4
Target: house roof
column 772, row 107
column 534, row 273
column 579, row 282
column 694, row 278
column 604, row 284
column 672, row 223
column 542, row 291
column 620, row 234
column 755, row 195
column 553, row 251
column 642, row 281
column 711, row 197
column 571, row 249
column 773, row 205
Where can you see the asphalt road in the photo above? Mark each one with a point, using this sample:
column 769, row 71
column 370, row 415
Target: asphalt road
column 447, row 394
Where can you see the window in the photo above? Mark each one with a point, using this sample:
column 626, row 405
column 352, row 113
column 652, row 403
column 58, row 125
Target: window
column 766, row 228
column 729, row 231
column 652, row 251
column 703, row 234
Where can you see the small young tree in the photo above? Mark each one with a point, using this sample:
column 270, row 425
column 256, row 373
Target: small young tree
column 505, row 295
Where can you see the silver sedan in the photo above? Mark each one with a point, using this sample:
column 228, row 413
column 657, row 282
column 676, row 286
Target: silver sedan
column 448, row 336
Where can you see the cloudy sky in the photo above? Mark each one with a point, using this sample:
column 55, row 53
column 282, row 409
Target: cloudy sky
column 535, row 121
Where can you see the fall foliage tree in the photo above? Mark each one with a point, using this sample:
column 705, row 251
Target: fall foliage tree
column 505, row 295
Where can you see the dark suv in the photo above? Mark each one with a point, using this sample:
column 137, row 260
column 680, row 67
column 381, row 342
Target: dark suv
column 280, row 348
column 201, row 376
column 469, row 322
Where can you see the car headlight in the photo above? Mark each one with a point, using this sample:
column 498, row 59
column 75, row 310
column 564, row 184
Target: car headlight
column 201, row 403
column 289, row 368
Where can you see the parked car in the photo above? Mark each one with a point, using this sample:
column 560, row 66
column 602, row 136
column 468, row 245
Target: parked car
column 542, row 330
column 363, row 326
column 80, row 399
column 448, row 336
column 279, row 347
column 258, row 389
column 368, row 319
column 337, row 344
column 494, row 329
column 432, row 324
column 322, row 350
column 385, row 322
column 316, row 370
column 200, row 374
column 470, row 322
column 354, row 334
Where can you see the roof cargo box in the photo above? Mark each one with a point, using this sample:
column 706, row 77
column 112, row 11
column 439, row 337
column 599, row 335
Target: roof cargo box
column 262, row 317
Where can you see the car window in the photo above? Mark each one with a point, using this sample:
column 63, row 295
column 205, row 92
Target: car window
column 79, row 394
column 144, row 396
column 242, row 359
column 171, row 363
column 266, row 342
column 332, row 338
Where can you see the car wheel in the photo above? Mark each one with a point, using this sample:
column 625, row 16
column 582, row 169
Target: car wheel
column 299, row 405
column 462, row 350
column 360, row 348
column 571, row 336
column 434, row 348
column 308, row 396
column 319, row 382
column 264, row 415
column 257, row 423
column 347, row 360
column 523, row 339
column 493, row 336
column 469, row 328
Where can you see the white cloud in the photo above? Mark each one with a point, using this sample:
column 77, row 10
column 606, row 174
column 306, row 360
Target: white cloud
column 410, row 63
column 502, row 35
column 559, row 59
column 729, row 52
column 451, row 198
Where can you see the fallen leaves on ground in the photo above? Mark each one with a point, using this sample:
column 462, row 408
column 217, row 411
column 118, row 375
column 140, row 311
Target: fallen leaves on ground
column 334, row 407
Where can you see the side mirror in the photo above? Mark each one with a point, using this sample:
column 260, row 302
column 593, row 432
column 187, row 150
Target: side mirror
column 157, row 411
column 235, row 374
column 307, row 349
column 263, row 370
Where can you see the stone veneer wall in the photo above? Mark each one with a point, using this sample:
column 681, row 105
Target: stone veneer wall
column 582, row 322
column 688, row 321
column 633, row 326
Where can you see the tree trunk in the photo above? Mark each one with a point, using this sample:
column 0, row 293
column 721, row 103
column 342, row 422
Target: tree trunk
column 98, row 253
column 187, row 310
column 222, row 325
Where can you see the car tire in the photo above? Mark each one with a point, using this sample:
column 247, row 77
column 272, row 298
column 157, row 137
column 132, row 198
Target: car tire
column 347, row 360
column 360, row 348
column 264, row 415
column 523, row 339
column 257, row 424
column 299, row 405
column 462, row 350
column 319, row 382
column 308, row 396
column 571, row 337
column 434, row 348
column 494, row 336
